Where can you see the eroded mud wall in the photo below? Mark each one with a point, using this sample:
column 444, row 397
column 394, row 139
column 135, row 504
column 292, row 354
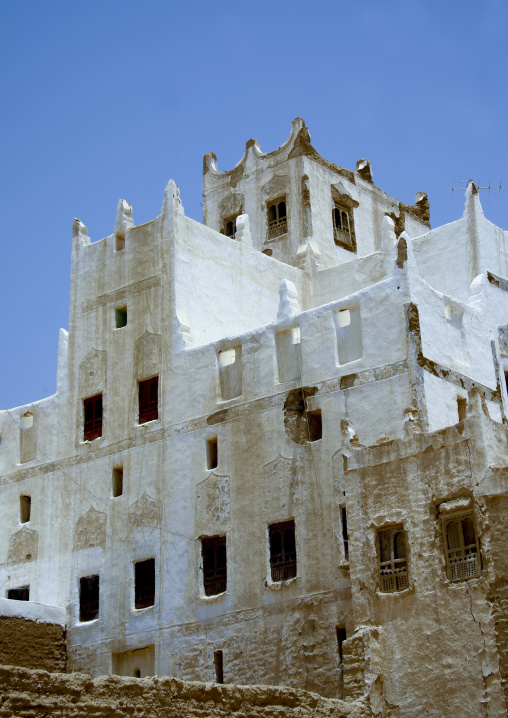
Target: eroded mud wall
column 32, row 644
column 41, row 694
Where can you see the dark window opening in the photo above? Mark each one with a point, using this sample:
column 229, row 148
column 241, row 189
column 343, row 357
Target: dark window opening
column 211, row 453
column 218, row 660
column 120, row 317
column 93, row 417
column 315, row 425
column 117, row 481
column 215, row 571
column 461, row 407
column 19, row 594
column 277, row 219
column 88, row 598
column 345, row 537
column 341, row 637
column 25, row 507
column 144, row 583
column 283, row 551
column 506, row 380
column 136, row 673
column 148, row 400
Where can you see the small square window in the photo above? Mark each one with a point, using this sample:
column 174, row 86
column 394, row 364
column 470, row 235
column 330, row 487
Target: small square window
column 19, row 594
column 117, row 487
column 211, row 453
column 93, row 417
column 282, row 551
column 25, row 508
column 120, row 317
column 144, row 583
column 148, row 400
column 88, row 598
column 215, row 571
column 393, row 571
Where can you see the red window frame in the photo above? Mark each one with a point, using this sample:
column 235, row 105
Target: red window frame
column 92, row 412
column 148, row 399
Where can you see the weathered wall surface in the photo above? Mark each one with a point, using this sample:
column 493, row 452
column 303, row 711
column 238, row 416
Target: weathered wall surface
column 414, row 641
column 39, row 694
column 31, row 644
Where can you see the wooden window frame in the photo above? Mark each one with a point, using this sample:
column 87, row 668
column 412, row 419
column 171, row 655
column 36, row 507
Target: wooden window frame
column 148, row 398
column 92, row 424
column 215, row 576
column 343, row 236
column 278, row 225
column 393, row 571
column 283, row 565
column 232, row 218
column 462, row 562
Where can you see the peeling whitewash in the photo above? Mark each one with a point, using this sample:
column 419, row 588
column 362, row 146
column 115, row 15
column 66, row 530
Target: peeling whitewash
column 334, row 359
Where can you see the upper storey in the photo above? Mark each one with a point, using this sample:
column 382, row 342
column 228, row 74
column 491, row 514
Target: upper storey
column 299, row 203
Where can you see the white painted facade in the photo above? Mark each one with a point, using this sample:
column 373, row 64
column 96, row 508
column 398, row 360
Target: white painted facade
column 386, row 336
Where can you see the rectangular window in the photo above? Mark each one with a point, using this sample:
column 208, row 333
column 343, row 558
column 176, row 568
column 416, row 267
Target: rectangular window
column 144, row 583
column 393, row 573
column 277, row 218
column 93, row 417
column 349, row 334
column 315, row 425
column 230, row 372
column 211, row 453
column 19, row 594
column 88, row 598
column 149, row 400
column 215, row 571
column 461, row 407
column 461, row 546
column 287, row 344
column 120, row 317
column 27, row 438
column 345, row 537
column 25, row 507
column 218, row 660
column 283, row 551
column 117, row 488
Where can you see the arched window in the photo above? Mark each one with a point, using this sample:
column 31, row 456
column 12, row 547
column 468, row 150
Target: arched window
column 393, row 571
column 342, row 228
column 461, row 546
column 277, row 218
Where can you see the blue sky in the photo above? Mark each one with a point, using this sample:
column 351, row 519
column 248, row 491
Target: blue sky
column 109, row 100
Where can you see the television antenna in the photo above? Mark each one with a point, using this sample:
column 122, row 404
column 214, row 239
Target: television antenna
column 477, row 185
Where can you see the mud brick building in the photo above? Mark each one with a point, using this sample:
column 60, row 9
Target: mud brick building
column 278, row 450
